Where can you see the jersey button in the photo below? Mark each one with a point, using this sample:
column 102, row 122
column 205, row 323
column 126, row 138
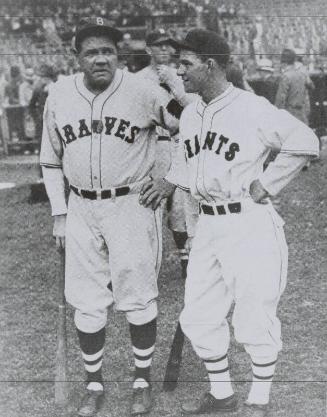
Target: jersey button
column 95, row 177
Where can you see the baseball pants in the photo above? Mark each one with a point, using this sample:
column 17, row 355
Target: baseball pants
column 240, row 257
column 112, row 240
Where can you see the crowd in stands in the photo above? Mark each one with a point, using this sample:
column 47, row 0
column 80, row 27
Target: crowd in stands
column 39, row 32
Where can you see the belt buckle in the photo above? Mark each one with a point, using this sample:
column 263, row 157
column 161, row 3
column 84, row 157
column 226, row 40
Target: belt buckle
column 113, row 194
column 98, row 194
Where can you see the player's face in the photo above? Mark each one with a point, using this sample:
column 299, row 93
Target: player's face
column 192, row 70
column 161, row 54
column 98, row 60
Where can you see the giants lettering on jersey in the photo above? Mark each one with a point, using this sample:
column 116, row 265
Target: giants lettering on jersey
column 220, row 145
column 119, row 128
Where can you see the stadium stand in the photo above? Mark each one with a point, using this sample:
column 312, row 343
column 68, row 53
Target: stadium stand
column 38, row 32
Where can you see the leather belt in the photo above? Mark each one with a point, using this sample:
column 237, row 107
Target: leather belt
column 221, row 210
column 163, row 138
column 101, row 194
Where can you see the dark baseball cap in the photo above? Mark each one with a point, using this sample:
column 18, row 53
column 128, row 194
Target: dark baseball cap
column 158, row 37
column 288, row 56
column 205, row 42
column 89, row 26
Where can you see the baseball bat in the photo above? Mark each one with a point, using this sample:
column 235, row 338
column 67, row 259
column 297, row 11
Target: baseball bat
column 61, row 385
column 174, row 361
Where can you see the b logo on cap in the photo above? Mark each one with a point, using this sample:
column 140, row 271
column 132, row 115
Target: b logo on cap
column 100, row 21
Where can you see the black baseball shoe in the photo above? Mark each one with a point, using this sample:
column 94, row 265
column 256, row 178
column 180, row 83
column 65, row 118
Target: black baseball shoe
column 209, row 404
column 90, row 403
column 255, row 410
column 142, row 401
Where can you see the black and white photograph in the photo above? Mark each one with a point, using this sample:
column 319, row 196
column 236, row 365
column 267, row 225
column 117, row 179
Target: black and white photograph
column 163, row 222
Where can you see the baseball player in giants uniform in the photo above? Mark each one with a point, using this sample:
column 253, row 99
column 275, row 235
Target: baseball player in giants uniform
column 99, row 132
column 239, row 252
column 182, row 207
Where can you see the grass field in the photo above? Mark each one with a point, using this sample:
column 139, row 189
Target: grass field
column 28, row 312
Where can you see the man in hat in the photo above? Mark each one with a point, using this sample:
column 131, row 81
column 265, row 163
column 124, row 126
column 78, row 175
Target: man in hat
column 239, row 252
column 99, row 133
column 292, row 93
column 182, row 208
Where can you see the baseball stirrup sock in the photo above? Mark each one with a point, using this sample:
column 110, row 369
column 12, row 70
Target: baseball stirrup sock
column 143, row 340
column 92, row 347
column 180, row 240
column 219, row 377
column 263, row 372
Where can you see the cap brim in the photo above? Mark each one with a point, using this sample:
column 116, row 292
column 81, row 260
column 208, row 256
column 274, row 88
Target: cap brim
column 182, row 45
column 114, row 34
column 162, row 41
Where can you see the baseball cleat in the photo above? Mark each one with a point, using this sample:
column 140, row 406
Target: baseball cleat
column 90, row 403
column 209, row 404
column 255, row 410
column 142, row 401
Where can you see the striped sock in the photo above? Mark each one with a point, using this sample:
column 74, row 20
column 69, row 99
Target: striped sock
column 180, row 239
column 220, row 382
column 92, row 347
column 263, row 372
column 143, row 339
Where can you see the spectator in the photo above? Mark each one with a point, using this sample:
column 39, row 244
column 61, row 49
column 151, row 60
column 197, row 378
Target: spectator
column 40, row 94
column 26, row 87
column 292, row 90
column 14, row 112
column 234, row 74
column 25, row 95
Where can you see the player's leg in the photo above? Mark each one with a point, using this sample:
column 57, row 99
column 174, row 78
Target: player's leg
column 135, row 261
column 87, row 276
column 262, row 260
column 203, row 319
column 177, row 224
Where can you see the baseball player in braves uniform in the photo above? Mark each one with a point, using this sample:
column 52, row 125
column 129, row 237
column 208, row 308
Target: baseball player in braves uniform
column 99, row 132
column 182, row 208
column 239, row 252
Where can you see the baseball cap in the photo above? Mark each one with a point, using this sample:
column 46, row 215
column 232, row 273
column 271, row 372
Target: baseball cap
column 265, row 64
column 89, row 26
column 288, row 56
column 205, row 42
column 158, row 37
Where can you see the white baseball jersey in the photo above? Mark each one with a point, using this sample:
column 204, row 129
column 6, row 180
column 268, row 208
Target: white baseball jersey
column 106, row 140
column 227, row 141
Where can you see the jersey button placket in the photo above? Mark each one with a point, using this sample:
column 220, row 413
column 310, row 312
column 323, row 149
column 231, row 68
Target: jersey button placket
column 207, row 115
column 96, row 146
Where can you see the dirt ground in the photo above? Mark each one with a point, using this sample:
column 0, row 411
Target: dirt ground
column 29, row 268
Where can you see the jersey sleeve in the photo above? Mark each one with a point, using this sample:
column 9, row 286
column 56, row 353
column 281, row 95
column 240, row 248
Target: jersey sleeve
column 296, row 143
column 178, row 172
column 158, row 102
column 281, row 131
column 51, row 160
column 51, row 145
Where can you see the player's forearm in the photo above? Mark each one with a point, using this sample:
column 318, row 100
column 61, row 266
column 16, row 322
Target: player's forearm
column 281, row 171
column 55, row 187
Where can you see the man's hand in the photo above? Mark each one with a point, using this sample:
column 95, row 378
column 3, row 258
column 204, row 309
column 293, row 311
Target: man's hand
column 59, row 230
column 154, row 191
column 258, row 193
